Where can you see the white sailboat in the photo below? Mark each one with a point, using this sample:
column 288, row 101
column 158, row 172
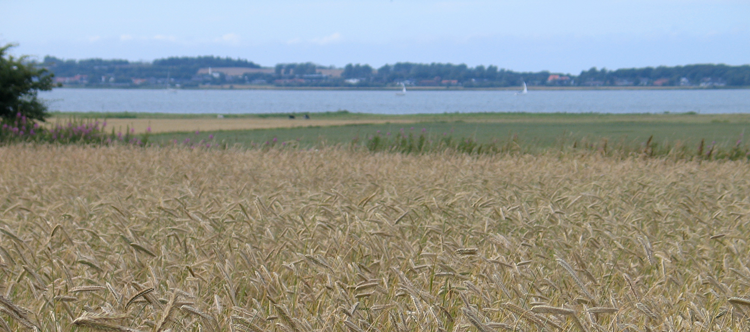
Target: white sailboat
column 403, row 90
column 525, row 91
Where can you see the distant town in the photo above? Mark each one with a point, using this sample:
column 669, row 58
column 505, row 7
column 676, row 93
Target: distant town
column 217, row 72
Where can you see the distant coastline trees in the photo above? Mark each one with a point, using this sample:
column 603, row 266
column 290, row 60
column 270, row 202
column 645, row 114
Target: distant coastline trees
column 295, row 69
column 192, row 71
column 690, row 75
column 119, row 72
column 357, row 71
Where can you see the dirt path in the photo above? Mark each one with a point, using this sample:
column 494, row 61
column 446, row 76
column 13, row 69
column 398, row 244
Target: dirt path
column 186, row 125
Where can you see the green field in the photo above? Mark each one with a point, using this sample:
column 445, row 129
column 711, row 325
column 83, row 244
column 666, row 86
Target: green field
column 531, row 131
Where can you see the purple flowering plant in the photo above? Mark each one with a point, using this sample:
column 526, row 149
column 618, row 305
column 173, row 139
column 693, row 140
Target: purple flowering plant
column 20, row 129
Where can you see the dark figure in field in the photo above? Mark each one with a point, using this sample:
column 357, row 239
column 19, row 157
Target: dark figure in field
column 307, row 116
column 291, row 116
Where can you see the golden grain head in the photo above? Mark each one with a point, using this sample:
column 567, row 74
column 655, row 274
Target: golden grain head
column 132, row 239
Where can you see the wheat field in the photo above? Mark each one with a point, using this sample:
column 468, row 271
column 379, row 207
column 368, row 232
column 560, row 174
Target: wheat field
column 158, row 239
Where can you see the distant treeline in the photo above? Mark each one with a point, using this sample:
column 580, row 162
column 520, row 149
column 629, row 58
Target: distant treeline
column 705, row 75
column 449, row 74
column 123, row 71
column 184, row 71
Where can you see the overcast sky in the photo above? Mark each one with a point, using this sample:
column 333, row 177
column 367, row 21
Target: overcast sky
column 523, row 35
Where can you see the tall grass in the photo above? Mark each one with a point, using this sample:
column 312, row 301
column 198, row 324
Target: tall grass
column 68, row 131
column 124, row 238
column 424, row 142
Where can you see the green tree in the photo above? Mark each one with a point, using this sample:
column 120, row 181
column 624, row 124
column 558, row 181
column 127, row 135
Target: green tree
column 20, row 81
column 357, row 71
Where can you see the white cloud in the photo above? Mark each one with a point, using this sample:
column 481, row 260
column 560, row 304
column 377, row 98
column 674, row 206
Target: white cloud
column 126, row 37
column 165, row 38
column 294, row 41
column 94, row 39
column 230, row 38
column 332, row 39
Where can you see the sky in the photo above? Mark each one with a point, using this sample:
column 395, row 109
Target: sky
column 522, row 35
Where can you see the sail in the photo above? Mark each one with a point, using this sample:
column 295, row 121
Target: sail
column 403, row 90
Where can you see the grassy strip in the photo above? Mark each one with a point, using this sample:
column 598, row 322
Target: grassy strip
column 532, row 137
column 491, row 116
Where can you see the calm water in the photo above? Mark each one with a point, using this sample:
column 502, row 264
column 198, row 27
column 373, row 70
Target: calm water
column 386, row 102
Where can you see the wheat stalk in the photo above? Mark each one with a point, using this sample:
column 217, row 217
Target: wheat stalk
column 338, row 239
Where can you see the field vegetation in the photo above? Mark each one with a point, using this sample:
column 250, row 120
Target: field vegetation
column 126, row 238
column 677, row 135
column 621, row 134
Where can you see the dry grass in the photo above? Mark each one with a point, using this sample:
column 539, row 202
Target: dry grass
column 163, row 124
column 189, row 125
column 125, row 239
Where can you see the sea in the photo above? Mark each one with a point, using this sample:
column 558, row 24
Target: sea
column 710, row 101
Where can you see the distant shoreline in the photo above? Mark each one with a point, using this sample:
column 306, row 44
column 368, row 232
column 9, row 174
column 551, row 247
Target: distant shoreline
column 420, row 88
